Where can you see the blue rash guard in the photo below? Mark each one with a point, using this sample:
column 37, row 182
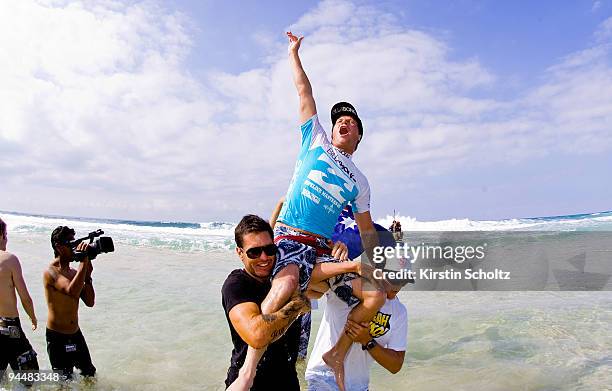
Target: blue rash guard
column 325, row 179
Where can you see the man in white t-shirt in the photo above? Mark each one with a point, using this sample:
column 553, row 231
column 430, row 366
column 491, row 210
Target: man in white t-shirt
column 383, row 341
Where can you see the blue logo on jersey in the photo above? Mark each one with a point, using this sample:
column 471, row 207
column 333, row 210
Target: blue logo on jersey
column 324, row 174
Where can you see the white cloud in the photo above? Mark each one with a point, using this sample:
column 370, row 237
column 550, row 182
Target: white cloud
column 604, row 32
column 97, row 105
column 596, row 5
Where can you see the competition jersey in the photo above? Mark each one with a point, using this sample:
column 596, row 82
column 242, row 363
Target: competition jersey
column 324, row 181
column 389, row 328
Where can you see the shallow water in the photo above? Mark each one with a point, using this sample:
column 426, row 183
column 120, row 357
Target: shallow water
column 158, row 324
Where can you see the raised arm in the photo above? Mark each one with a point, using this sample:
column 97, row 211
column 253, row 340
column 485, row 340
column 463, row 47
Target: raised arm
column 259, row 330
column 24, row 295
column 276, row 211
column 302, row 84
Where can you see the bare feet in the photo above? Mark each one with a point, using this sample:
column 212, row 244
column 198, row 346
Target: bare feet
column 243, row 382
column 336, row 363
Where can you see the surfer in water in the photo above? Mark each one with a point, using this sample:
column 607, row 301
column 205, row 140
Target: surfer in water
column 396, row 229
column 325, row 180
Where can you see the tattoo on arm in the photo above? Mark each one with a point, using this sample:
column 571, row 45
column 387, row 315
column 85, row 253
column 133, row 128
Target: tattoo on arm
column 288, row 313
column 278, row 333
column 290, row 309
column 269, row 318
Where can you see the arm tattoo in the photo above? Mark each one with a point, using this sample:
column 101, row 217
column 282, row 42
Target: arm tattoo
column 289, row 312
column 290, row 309
column 269, row 318
column 278, row 333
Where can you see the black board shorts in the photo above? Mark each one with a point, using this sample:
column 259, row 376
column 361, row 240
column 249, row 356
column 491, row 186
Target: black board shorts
column 15, row 349
column 67, row 351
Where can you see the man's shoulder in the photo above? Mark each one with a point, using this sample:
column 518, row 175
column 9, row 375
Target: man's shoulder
column 236, row 274
column 53, row 272
column 50, row 272
column 361, row 178
column 236, row 277
column 311, row 121
column 397, row 307
column 312, row 126
column 8, row 259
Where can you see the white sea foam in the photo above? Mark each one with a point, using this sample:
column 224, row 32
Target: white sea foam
column 561, row 223
column 209, row 236
column 206, row 236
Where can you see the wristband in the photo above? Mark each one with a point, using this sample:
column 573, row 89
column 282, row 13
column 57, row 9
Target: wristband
column 369, row 345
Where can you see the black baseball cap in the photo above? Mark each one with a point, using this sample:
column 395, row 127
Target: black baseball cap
column 345, row 108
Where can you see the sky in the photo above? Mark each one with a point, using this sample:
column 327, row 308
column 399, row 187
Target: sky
column 185, row 110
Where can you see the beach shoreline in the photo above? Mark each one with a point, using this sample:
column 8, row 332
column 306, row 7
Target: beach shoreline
column 158, row 324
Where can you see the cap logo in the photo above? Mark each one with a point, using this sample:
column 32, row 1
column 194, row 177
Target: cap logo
column 345, row 108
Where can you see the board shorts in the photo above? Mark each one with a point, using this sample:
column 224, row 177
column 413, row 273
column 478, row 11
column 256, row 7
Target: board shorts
column 306, row 322
column 15, row 349
column 303, row 250
column 67, row 351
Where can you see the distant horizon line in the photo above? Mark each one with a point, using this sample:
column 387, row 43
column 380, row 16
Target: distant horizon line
column 115, row 220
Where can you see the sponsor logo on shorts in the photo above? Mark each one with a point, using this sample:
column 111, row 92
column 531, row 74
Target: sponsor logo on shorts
column 71, row 348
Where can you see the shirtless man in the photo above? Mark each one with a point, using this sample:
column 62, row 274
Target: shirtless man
column 64, row 286
column 15, row 349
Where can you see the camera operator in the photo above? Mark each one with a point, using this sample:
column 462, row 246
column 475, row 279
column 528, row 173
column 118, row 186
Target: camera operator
column 64, row 286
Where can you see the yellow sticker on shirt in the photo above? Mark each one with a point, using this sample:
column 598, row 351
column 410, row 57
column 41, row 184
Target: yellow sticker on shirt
column 380, row 324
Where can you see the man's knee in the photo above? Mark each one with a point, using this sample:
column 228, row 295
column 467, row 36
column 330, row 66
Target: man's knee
column 287, row 280
column 284, row 284
column 27, row 361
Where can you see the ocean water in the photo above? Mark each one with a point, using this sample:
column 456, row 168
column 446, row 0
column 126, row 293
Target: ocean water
column 158, row 322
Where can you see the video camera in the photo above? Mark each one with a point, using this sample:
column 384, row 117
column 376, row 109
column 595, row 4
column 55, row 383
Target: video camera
column 97, row 244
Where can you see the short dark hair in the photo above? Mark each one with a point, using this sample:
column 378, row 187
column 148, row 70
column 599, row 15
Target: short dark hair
column 60, row 235
column 2, row 228
column 250, row 224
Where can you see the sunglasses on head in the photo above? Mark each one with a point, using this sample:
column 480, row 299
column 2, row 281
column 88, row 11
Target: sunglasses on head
column 255, row 252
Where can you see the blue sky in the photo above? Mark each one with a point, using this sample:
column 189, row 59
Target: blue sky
column 186, row 110
column 515, row 38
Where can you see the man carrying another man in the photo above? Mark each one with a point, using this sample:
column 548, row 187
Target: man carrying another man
column 242, row 294
column 324, row 181
column 383, row 339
